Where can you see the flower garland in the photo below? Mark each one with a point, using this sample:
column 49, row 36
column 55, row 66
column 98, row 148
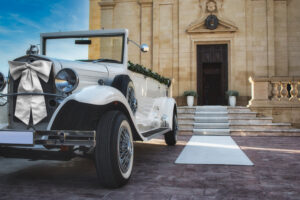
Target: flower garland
column 149, row 73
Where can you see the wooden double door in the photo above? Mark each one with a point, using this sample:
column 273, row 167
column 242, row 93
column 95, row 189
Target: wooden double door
column 212, row 74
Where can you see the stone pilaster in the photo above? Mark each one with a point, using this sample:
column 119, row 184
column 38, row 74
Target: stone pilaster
column 281, row 38
column 146, row 30
column 271, row 42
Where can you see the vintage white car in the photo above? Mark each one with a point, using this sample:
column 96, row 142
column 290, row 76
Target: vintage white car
column 59, row 108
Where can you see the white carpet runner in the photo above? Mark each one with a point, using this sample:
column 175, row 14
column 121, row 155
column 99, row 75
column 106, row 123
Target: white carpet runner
column 215, row 150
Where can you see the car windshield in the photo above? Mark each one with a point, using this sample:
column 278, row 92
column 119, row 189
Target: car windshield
column 87, row 49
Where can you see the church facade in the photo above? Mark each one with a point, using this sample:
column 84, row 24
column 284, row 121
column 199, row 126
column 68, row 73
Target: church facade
column 212, row 46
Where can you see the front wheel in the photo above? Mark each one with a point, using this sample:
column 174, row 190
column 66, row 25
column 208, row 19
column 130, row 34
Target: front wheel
column 114, row 150
column 171, row 136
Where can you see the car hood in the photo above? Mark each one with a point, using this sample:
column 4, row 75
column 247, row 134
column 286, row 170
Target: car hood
column 89, row 73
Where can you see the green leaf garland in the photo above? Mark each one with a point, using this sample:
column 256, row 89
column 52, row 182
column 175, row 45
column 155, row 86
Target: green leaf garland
column 148, row 72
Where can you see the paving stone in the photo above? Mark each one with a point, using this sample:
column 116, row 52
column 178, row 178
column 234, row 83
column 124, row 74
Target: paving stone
column 275, row 175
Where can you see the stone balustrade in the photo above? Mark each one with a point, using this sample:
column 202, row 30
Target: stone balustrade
column 278, row 97
column 274, row 91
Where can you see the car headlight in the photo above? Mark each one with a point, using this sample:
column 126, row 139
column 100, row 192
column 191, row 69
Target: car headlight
column 2, row 82
column 66, row 80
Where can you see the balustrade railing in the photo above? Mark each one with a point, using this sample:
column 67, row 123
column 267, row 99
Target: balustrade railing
column 274, row 91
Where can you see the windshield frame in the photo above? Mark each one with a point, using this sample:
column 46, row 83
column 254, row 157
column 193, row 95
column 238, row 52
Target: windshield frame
column 87, row 34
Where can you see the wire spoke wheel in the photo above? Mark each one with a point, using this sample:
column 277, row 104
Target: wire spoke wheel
column 125, row 149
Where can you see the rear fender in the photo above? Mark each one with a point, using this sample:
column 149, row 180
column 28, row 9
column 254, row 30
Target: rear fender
column 167, row 107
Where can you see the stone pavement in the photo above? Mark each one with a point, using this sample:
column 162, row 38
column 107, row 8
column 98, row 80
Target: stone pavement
column 276, row 175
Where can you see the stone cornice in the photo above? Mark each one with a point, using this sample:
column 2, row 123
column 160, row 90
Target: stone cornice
column 143, row 2
column 107, row 4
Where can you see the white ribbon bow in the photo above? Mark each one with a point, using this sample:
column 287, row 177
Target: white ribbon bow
column 30, row 83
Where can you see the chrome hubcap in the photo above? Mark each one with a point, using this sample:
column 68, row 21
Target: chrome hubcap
column 125, row 149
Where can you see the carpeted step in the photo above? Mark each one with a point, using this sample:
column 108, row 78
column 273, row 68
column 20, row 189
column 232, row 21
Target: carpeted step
column 211, row 125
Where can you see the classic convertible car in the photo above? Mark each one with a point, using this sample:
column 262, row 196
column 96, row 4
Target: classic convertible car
column 72, row 100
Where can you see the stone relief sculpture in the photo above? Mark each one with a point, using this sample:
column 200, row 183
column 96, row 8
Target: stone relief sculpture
column 213, row 8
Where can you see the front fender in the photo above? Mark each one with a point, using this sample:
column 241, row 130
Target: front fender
column 97, row 96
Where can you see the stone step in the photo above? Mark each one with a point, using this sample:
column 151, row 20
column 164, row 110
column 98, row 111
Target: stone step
column 238, row 109
column 186, row 132
column 183, row 120
column 211, row 119
column 251, row 120
column 266, row 126
column 186, row 115
column 268, row 132
column 211, row 131
column 245, row 117
column 185, row 126
column 211, row 125
column 211, row 109
column 211, row 114
column 186, row 110
column 242, row 115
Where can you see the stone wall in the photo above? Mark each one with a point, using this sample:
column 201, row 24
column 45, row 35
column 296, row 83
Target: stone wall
column 263, row 37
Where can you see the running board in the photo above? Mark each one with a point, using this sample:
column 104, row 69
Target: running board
column 153, row 133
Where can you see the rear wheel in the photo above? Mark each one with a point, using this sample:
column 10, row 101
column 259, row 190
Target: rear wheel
column 171, row 136
column 114, row 150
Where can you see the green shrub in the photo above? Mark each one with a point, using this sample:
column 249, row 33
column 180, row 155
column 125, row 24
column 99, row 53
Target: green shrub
column 232, row 93
column 190, row 93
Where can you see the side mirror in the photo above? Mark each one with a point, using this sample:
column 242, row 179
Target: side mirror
column 144, row 48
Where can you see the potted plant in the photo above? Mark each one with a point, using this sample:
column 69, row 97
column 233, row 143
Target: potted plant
column 232, row 94
column 190, row 97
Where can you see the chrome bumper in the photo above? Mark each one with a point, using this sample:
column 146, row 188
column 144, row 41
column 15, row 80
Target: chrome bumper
column 51, row 138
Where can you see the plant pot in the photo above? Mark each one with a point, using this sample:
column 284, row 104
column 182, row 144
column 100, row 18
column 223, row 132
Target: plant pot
column 190, row 100
column 232, row 100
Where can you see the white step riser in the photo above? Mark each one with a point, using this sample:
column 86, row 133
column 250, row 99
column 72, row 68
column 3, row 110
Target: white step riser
column 211, row 115
column 211, row 110
column 211, row 134
column 211, row 120
column 212, row 130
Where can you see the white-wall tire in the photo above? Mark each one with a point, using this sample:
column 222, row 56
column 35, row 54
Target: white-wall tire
column 111, row 172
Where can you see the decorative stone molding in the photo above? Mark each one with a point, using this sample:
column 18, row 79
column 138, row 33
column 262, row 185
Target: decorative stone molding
column 145, row 2
column 211, row 7
column 199, row 27
column 110, row 4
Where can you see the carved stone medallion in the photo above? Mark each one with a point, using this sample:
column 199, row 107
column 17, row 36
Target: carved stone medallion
column 211, row 6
